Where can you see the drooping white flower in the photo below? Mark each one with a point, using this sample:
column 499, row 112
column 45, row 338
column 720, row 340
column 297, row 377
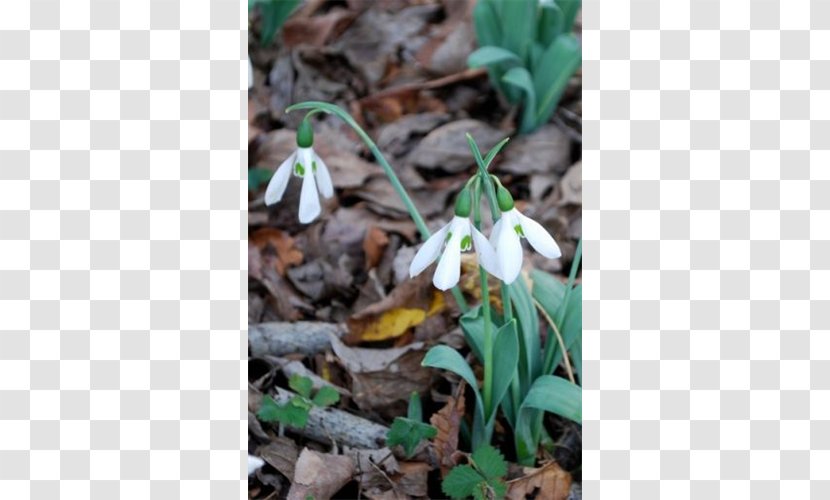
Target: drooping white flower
column 507, row 240
column 459, row 235
column 307, row 165
column 254, row 463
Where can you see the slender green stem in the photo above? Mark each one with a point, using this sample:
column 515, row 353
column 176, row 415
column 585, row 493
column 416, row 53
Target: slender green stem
column 319, row 106
column 485, row 309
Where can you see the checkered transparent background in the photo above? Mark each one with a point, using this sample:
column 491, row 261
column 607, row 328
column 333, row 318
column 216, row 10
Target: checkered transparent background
column 707, row 253
column 122, row 237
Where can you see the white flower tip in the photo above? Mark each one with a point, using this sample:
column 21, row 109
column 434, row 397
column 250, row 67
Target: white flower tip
column 254, row 463
column 441, row 284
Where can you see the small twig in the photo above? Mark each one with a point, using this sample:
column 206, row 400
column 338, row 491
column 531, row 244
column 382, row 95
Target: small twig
column 467, row 74
column 559, row 339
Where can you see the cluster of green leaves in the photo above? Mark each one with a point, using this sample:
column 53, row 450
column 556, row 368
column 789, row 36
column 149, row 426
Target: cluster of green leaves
column 273, row 14
column 505, row 344
column 530, row 52
column 294, row 412
column 482, row 479
column 410, row 431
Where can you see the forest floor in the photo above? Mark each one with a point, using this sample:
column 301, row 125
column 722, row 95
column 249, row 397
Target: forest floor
column 333, row 300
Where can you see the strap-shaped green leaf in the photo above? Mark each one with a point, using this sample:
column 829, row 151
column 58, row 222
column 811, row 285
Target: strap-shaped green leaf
column 520, row 77
column 557, row 64
column 555, row 395
column 518, row 18
column 569, row 10
column 550, row 23
column 447, row 358
column 530, row 350
column 485, row 20
column 490, row 55
column 506, row 349
column 472, row 325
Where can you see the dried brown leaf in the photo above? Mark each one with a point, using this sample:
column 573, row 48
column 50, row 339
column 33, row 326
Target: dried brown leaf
column 320, row 475
column 277, row 248
column 281, row 454
column 448, row 422
column 316, row 30
column 374, row 244
column 548, row 482
column 383, row 379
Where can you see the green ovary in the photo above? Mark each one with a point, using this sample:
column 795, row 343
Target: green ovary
column 519, row 230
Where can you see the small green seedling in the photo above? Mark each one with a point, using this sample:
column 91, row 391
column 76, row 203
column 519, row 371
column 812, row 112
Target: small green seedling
column 294, row 413
column 529, row 51
column 410, row 431
column 482, row 479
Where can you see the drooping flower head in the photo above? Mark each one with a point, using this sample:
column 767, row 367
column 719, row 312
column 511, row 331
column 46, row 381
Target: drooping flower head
column 307, row 165
column 508, row 233
column 459, row 235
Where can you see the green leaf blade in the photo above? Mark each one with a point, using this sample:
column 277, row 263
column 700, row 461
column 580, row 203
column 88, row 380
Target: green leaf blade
column 490, row 462
column 301, row 385
column 520, row 77
column 555, row 395
column 326, row 396
column 461, row 482
column 490, row 55
column 556, row 66
column 505, row 364
column 409, row 434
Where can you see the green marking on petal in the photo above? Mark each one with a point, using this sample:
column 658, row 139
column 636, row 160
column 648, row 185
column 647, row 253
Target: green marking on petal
column 314, row 167
column 519, row 230
column 449, row 235
column 299, row 169
column 466, row 243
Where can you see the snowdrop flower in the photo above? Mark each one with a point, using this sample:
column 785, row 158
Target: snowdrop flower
column 254, row 463
column 304, row 163
column 460, row 236
column 507, row 237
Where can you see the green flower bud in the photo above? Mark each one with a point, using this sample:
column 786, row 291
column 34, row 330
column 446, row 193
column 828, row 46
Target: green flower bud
column 464, row 203
column 305, row 134
column 504, row 199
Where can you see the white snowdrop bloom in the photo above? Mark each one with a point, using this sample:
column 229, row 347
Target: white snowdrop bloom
column 254, row 463
column 459, row 235
column 307, row 165
column 507, row 240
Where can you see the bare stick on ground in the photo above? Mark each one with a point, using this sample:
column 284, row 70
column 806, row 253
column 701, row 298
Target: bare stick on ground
column 301, row 337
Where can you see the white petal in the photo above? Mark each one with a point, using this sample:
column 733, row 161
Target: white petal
column 486, row 254
column 509, row 249
column 539, row 238
column 494, row 234
column 279, row 181
column 428, row 252
column 309, row 199
column 461, row 225
column 449, row 267
column 254, row 463
column 323, row 178
column 304, row 157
